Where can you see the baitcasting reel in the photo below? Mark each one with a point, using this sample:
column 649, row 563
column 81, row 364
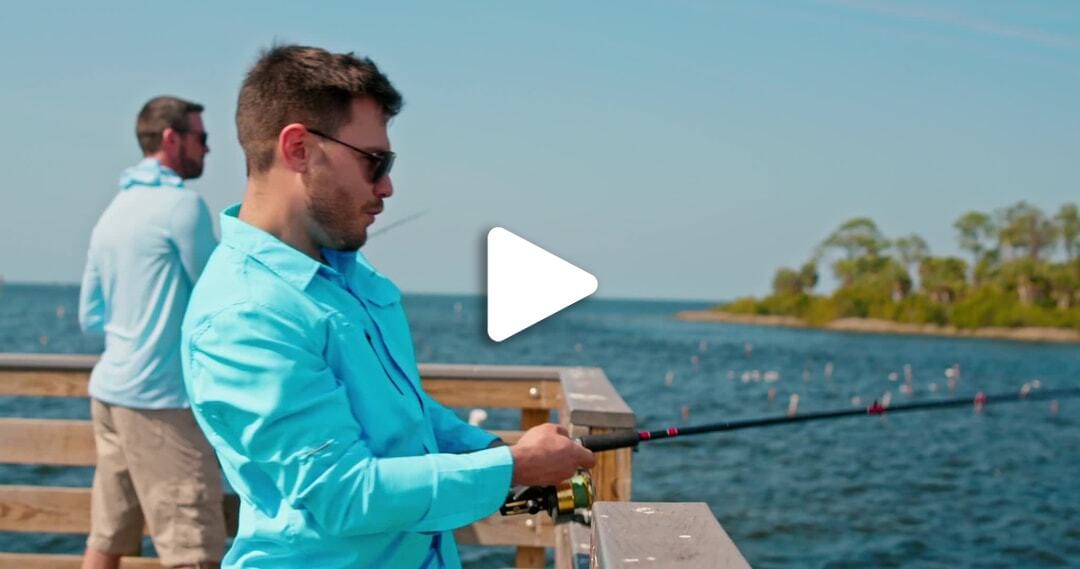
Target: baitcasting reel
column 570, row 501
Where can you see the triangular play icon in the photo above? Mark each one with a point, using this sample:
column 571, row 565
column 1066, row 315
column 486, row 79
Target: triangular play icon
column 526, row 284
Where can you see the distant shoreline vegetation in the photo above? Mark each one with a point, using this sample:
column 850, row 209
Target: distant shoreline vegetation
column 1013, row 280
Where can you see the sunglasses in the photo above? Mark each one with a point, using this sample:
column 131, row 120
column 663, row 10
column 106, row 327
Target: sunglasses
column 382, row 161
column 202, row 136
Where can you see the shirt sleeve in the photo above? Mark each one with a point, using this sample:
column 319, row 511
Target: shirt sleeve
column 451, row 433
column 91, row 299
column 192, row 233
column 269, row 402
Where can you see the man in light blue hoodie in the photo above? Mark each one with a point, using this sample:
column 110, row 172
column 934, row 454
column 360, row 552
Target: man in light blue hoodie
column 154, row 466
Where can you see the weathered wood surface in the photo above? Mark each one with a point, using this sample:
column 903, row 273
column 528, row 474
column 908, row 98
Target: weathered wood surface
column 590, row 399
column 70, row 442
column 43, row 383
column 79, row 362
column 523, row 394
column 44, row 509
column 584, row 393
column 527, row 531
column 47, row 441
column 52, row 509
column 613, row 473
column 683, row 535
column 49, row 561
column 488, row 372
column 573, row 546
column 510, row 394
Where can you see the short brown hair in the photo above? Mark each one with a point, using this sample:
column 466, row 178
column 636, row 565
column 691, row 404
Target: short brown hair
column 159, row 114
column 307, row 85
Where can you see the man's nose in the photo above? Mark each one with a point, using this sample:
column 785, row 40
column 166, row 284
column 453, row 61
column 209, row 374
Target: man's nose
column 384, row 188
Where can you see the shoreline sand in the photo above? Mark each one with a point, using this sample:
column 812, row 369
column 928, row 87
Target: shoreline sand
column 875, row 326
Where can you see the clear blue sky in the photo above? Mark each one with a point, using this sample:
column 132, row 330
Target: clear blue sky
column 674, row 149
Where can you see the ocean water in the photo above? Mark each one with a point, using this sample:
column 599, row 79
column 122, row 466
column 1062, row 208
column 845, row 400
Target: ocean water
column 928, row 489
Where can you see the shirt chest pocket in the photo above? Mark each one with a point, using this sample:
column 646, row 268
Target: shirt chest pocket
column 384, row 404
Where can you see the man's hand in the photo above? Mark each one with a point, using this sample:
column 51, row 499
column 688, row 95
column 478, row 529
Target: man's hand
column 545, row 456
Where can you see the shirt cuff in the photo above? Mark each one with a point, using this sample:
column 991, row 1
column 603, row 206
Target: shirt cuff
column 470, row 487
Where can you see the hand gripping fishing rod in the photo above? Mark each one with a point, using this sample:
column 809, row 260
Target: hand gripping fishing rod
column 571, row 500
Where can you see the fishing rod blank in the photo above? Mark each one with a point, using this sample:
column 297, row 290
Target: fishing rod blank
column 630, row 439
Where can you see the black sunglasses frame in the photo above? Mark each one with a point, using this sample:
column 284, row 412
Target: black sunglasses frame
column 383, row 161
column 203, row 136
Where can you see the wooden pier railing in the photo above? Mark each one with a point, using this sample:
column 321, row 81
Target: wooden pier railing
column 582, row 399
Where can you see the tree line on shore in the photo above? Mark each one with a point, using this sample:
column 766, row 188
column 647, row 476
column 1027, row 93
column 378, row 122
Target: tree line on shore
column 1013, row 279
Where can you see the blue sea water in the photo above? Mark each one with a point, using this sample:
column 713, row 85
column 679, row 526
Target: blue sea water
column 927, row 489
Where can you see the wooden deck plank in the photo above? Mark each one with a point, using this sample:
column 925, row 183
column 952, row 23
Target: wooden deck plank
column 44, row 509
column 511, row 394
column 54, row 509
column 43, row 383
column 497, row 529
column 53, row 561
column 47, row 441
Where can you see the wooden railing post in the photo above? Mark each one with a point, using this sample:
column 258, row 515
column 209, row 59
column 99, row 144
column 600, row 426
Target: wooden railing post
column 532, row 557
column 591, row 405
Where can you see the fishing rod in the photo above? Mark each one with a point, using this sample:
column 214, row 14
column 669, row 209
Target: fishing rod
column 571, row 499
column 630, row 439
column 401, row 221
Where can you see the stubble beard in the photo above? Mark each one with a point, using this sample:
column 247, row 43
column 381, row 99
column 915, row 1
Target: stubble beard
column 340, row 230
column 190, row 168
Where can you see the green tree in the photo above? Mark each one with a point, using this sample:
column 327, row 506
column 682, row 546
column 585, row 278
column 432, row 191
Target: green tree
column 912, row 249
column 1065, row 283
column 1068, row 220
column 860, row 242
column 943, row 279
column 988, row 268
column 856, row 238
column 1024, row 227
column 787, row 281
column 1028, row 277
column 976, row 232
column 808, row 276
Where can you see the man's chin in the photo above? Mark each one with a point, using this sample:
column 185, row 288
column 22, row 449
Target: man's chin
column 351, row 243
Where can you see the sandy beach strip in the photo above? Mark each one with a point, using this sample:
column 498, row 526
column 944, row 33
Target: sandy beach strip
column 875, row 326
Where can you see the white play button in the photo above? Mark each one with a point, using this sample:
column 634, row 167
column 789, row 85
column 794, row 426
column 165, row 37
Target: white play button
column 526, row 284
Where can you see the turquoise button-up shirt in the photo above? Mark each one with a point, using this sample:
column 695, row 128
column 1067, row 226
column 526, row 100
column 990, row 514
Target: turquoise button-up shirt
column 304, row 379
column 146, row 252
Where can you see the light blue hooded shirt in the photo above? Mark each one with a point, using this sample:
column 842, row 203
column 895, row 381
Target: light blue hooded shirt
column 304, row 379
column 146, row 252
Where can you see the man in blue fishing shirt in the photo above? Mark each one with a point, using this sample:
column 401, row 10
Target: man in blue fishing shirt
column 154, row 468
column 298, row 358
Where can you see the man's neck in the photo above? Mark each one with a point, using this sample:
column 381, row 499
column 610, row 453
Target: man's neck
column 165, row 161
column 263, row 207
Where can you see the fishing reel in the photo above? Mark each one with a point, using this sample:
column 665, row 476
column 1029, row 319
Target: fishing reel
column 569, row 501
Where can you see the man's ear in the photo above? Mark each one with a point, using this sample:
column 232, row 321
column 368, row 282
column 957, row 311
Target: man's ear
column 292, row 147
column 170, row 138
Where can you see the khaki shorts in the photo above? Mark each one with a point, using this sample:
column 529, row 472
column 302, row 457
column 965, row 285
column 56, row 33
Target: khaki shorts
column 155, row 467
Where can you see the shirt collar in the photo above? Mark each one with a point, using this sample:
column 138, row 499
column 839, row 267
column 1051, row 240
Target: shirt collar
column 149, row 172
column 288, row 263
